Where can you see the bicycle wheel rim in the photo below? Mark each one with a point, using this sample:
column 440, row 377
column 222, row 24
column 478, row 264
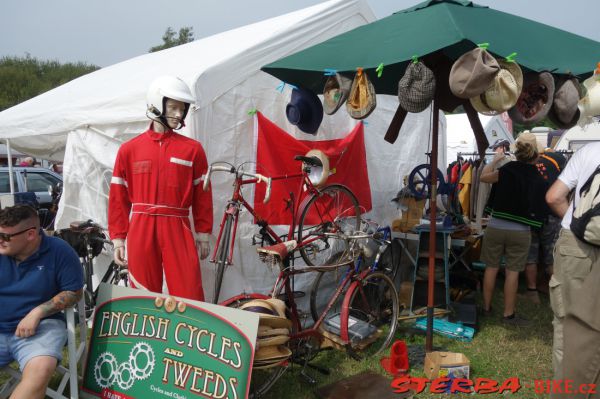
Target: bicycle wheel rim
column 333, row 209
column 323, row 287
column 375, row 301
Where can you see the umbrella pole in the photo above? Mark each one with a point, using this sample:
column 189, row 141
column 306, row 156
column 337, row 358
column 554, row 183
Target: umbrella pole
column 432, row 229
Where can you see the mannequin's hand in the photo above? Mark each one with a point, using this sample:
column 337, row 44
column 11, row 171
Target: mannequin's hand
column 119, row 254
column 203, row 244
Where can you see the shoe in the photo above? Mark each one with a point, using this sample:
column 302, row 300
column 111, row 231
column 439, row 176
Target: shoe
column 486, row 313
column 515, row 320
column 533, row 296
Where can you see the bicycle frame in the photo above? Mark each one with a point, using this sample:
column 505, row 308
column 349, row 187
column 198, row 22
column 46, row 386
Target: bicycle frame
column 305, row 189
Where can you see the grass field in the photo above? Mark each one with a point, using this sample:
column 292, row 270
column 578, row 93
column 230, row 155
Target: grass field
column 497, row 352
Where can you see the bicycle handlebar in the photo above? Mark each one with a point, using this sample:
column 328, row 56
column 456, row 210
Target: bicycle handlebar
column 231, row 169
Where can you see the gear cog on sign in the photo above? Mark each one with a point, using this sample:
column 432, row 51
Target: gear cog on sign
column 141, row 373
column 101, row 379
column 125, row 376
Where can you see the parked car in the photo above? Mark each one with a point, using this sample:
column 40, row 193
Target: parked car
column 29, row 179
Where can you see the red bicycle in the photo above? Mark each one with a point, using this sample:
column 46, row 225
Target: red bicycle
column 361, row 314
column 316, row 211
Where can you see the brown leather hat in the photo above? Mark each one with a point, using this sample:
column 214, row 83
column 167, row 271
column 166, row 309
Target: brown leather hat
column 535, row 100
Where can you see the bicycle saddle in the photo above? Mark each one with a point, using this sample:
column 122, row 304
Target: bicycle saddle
column 312, row 160
column 84, row 227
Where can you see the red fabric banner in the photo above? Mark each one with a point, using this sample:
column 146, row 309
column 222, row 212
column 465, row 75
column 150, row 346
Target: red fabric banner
column 275, row 154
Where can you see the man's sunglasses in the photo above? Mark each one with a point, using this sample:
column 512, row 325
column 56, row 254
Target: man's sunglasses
column 7, row 236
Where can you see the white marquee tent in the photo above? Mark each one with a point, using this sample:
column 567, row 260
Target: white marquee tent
column 87, row 119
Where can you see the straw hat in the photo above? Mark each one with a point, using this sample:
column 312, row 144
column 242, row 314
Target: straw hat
column 335, row 92
column 270, row 313
column 590, row 104
column 528, row 137
column 318, row 174
column 268, row 331
column 272, row 353
column 362, row 99
column 473, row 73
column 504, row 91
column 274, row 340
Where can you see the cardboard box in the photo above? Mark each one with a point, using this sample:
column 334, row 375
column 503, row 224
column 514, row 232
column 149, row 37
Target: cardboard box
column 446, row 364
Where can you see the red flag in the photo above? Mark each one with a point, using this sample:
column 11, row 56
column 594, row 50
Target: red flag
column 275, row 154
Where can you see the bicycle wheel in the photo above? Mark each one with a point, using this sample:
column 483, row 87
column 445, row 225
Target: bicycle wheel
column 323, row 286
column 372, row 309
column 222, row 254
column 333, row 209
column 262, row 379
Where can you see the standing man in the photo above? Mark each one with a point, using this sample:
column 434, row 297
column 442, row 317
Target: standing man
column 39, row 277
column 574, row 285
column 156, row 179
column 549, row 164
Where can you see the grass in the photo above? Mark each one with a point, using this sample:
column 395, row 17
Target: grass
column 497, row 352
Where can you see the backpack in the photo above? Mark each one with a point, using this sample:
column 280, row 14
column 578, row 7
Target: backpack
column 586, row 217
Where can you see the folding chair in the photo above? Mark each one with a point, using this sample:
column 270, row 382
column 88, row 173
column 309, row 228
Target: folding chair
column 68, row 374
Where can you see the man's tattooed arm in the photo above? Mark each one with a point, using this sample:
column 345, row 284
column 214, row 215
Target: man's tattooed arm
column 60, row 302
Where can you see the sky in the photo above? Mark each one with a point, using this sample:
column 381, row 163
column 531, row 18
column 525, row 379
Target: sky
column 104, row 32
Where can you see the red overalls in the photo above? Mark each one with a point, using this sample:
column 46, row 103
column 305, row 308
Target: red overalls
column 157, row 178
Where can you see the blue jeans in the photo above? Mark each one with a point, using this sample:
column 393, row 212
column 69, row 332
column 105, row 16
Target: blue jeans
column 49, row 340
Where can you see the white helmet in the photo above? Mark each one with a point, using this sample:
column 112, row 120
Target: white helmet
column 167, row 87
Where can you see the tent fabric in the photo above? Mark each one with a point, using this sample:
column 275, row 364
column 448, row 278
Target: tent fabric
column 452, row 26
column 87, row 119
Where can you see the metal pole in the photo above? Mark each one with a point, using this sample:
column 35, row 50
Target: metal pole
column 432, row 229
column 10, row 168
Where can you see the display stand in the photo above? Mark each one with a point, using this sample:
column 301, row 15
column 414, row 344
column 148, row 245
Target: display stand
column 443, row 242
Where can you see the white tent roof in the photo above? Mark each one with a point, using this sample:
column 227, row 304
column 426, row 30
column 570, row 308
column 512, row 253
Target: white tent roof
column 87, row 119
column 113, row 96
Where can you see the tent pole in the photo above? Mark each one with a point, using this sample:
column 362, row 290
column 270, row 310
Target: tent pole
column 11, row 180
column 432, row 229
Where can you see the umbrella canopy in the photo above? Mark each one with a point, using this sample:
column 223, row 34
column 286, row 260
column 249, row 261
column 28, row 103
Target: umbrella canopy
column 450, row 26
column 438, row 32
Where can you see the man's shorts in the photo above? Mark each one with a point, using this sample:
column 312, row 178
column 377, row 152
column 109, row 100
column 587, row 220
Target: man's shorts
column 542, row 242
column 511, row 244
column 49, row 340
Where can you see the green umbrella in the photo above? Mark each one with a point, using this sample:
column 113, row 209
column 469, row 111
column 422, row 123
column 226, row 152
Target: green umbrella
column 438, row 32
column 451, row 26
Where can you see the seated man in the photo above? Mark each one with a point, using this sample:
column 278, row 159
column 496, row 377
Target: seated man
column 39, row 277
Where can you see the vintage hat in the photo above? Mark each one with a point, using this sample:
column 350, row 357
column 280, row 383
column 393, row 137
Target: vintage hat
column 274, row 340
column 268, row 331
column 318, row 174
column 362, row 99
column 589, row 105
column 305, row 110
column 503, row 92
column 535, row 100
column 268, row 313
column 528, row 137
column 416, row 88
column 500, row 143
column 272, row 353
column 335, row 92
column 565, row 112
column 473, row 73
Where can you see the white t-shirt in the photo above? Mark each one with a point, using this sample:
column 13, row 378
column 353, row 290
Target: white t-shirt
column 578, row 170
